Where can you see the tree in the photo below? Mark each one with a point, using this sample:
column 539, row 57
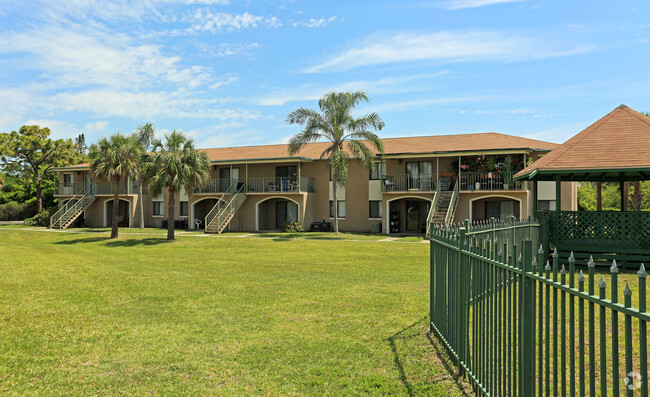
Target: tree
column 336, row 125
column 80, row 144
column 114, row 160
column 144, row 135
column 174, row 165
column 34, row 153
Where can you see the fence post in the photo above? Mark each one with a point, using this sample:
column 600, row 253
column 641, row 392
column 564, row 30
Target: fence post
column 462, row 277
column 432, row 278
column 527, row 330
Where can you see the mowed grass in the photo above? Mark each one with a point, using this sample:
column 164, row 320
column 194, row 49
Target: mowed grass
column 84, row 315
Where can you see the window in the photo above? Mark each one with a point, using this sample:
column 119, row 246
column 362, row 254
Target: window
column 67, row 180
column 546, row 205
column 375, row 172
column 375, row 209
column 341, row 208
column 158, row 208
column 184, row 208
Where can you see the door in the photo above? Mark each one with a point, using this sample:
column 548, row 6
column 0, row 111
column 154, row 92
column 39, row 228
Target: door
column 492, row 209
column 412, row 216
column 413, row 173
column 280, row 214
column 68, row 184
column 224, row 179
column 235, row 178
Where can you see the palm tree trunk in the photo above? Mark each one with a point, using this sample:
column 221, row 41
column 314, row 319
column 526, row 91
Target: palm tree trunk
column 140, row 206
column 336, row 205
column 171, row 215
column 116, row 207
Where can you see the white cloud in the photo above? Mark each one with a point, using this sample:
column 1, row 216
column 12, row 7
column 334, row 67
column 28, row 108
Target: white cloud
column 228, row 49
column 387, row 85
column 447, row 46
column 95, row 127
column 316, row 23
column 77, row 56
column 462, row 4
column 230, row 79
column 207, row 21
column 59, row 129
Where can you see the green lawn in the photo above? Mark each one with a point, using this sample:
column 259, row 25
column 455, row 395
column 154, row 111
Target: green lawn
column 84, row 315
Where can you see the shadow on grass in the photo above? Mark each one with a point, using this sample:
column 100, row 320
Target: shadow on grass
column 413, row 331
column 115, row 243
column 132, row 242
column 446, row 361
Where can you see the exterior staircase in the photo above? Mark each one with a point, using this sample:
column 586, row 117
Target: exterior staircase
column 70, row 211
column 443, row 207
column 223, row 212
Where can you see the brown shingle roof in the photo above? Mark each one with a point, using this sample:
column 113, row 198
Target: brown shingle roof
column 392, row 146
column 618, row 141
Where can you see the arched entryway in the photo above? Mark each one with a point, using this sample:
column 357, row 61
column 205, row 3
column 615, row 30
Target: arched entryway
column 124, row 212
column 273, row 212
column 407, row 214
column 200, row 209
column 498, row 207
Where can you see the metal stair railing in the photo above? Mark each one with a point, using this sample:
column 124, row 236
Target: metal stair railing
column 452, row 204
column 72, row 206
column 221, row 203
column 432, row 210
column 224, row 216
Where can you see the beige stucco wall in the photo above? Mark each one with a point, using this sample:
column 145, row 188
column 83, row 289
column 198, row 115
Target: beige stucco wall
column 466, row 198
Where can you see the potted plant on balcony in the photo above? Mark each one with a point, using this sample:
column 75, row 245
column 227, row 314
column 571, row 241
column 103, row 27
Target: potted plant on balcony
column 507, row 167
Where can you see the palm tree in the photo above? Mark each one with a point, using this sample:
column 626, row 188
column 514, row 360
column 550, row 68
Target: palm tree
column 114, row 160
column 173, row 165
column 144, row 135
column 336, row 125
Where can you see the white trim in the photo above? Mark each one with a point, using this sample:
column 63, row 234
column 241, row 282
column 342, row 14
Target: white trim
column 471, row 201
column 385, row 222
column 257, row 209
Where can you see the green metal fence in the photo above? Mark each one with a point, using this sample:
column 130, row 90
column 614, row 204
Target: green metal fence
column 516, row 328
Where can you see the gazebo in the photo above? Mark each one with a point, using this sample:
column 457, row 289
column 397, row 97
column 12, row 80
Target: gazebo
column 615, row 148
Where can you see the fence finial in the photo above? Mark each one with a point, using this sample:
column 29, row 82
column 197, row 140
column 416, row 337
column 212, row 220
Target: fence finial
column 627, row 291
column 581, row 276
column 641, row 273
column 555, row 252
column 563, row 270
column 534, row 263
column 613, row 268
column 541, row 249
column 591, row 262
column 602, row 283
column 571, row 257
column 548, row 266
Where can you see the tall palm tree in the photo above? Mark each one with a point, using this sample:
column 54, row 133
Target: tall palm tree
column 114, row 159
column 144, row 135
column 173, row 165
column 336, row 124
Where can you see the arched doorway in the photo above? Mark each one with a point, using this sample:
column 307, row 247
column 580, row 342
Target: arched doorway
column 407, row 214
column 273, row 212
column 200, row 209
column 124, row 211
column 498, row 207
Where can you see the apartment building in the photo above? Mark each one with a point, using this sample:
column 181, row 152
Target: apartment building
column 445, row 178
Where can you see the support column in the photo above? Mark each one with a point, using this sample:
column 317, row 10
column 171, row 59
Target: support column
column 299, row 178
column 246, row 177
column 599, row 196
column 535, row 196
column 558, row 194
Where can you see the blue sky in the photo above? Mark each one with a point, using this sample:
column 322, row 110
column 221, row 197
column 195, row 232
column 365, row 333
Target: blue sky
column 227, row 72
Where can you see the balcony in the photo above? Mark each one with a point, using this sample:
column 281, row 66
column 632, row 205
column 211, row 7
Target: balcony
column 275, row 184
column 97, row 188
column 259, row 185
column 489, row 181
column 403, row 183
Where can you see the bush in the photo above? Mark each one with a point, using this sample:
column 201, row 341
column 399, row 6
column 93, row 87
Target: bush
column 13, row 211
column 42, row 219
column 292, row 227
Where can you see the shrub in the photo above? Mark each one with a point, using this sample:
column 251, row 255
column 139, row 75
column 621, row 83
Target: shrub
column 42, row 219
column 292, row 227
column 13, row 211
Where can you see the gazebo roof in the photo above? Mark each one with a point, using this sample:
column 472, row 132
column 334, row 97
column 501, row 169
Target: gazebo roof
column 614, row 148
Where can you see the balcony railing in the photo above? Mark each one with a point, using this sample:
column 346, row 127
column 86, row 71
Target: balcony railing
column 217, row 185
column 489, row 181
column 275, row 184
column 97, row 188
column 401, row 183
